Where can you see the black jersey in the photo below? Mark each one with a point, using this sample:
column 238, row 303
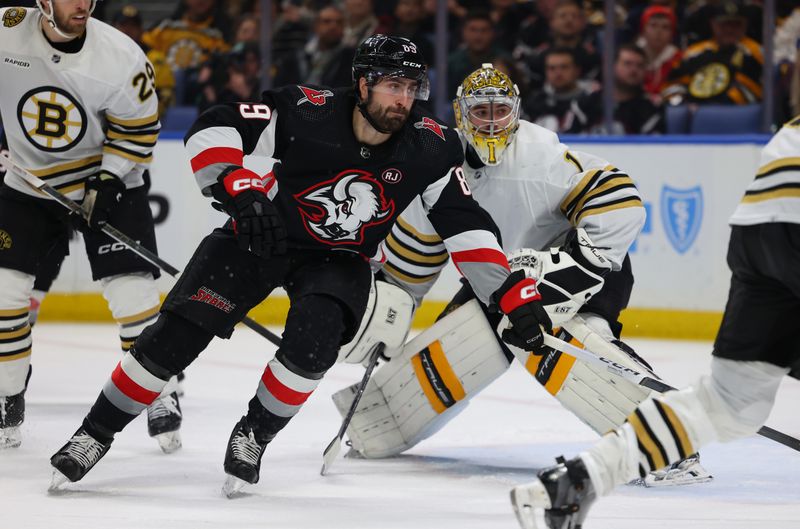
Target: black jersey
column 334, row 192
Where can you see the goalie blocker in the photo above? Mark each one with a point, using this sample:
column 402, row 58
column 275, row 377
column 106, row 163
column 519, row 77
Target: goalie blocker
column 419, row 391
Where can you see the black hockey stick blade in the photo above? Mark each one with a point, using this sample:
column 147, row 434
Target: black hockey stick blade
column 335, row 446
column 37, row 183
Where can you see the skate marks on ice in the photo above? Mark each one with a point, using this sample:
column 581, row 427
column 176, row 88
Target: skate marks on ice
column 458, row 479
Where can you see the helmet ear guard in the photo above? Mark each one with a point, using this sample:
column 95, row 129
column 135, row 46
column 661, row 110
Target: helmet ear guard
column 487, row 107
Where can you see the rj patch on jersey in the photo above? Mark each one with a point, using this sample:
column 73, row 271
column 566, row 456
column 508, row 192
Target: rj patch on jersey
column 13, row 16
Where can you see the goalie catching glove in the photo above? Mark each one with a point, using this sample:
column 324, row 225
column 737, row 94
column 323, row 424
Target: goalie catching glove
column 567, row 277
column 258, row 226
column 519, row 299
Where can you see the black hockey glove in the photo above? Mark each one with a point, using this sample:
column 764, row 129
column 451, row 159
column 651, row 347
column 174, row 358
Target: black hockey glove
column 521, row 302
column 103, row 192
column 256, row 222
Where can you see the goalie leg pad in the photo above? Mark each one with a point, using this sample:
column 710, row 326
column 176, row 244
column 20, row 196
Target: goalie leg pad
column 598, row 398
column 411, row 397
column 387, row 319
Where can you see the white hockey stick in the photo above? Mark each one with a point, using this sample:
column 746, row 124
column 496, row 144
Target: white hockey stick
column 37, row 183
column 647, row 381
column 335, row 446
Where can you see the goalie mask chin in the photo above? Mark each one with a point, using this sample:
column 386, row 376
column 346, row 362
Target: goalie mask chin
column 50, row 16
column 487, row 107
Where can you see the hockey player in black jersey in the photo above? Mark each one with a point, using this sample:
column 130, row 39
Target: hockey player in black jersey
column 349, row 161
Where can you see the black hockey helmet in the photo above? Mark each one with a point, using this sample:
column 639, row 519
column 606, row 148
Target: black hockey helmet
column 385, row 56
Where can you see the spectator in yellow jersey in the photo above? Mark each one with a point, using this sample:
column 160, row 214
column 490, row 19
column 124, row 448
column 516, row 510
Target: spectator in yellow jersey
column 197, row 29
column 725, row 69
column 129, row 21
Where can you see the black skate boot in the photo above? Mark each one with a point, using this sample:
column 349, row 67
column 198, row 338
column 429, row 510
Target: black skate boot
column 12, row 413
column 242, row 458
column 164, row 422
column 559, row 499
column 76, row 458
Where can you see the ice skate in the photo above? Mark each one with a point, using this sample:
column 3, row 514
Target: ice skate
column 164, row 422
column 12, row 413
column 76, row 458
column 686, row 472
column 559, row 499
column 242, row 458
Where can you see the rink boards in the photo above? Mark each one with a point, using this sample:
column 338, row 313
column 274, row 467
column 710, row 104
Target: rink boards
column 690, row 186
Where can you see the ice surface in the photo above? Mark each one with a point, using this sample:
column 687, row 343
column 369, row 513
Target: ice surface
column 458, row 479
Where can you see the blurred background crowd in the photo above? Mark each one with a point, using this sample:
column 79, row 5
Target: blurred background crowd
column 672, row 57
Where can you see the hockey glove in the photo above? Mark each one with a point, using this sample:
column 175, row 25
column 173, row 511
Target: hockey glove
column 521, row 302
column 256, row 222
column 103, row 192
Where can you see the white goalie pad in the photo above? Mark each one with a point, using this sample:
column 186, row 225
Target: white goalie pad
column 411, row 397
column 598, row 398
column 387, row 319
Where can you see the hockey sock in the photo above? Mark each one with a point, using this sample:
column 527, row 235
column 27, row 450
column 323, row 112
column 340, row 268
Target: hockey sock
column 282, row 391
column 131, row 327
column 15, row 350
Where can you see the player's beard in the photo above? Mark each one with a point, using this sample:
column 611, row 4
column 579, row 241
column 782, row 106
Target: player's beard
column 389, row 118
column 65, row 23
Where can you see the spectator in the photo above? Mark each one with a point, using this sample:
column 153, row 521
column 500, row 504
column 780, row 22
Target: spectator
column 409, row 16
column 231, row 77
column 292, row 30
column 477, row 35
column 360, row 22
column 567, row 30
column 634, row 113
column 787, row 58
column 552, row 107
column 328, row 60
column 247, row 29
column 658, row 27
column 726, row 69
column 195, row 31
column 129, row 21
column 697, row 24
column 509, row 18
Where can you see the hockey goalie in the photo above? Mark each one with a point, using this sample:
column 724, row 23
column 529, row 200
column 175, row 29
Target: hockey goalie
column 567, row 220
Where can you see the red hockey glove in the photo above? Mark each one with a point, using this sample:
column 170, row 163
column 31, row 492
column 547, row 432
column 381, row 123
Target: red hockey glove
column 522, row 303
column 256, row 221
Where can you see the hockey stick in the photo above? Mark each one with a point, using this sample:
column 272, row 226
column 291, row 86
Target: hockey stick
column 37, row 183
column 330, row 453
column 647, row 381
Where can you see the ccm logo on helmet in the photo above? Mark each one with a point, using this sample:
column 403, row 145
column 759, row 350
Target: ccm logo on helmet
column 412, row 64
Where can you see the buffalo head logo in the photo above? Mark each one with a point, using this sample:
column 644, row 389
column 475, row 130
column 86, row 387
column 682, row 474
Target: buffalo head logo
column 342, row 208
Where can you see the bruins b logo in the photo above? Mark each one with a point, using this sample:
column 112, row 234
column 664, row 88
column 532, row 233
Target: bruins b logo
column 13, row 16
column 5, row 240
column 51, row 119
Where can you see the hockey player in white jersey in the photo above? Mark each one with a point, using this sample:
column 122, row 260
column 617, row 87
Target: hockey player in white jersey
column 567, row 219
column 756, row 346
column 80, row 112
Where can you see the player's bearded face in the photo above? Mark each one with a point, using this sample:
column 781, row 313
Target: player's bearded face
column 71, row 16
column 390, row 102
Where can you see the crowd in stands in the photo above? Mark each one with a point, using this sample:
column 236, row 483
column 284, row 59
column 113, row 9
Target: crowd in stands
column 668, row 52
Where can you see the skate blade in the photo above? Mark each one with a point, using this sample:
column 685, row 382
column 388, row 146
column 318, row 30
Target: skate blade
column 673, row 481
column 529, row 502
column 169, row 441
column 10, row 437
column 232, row 486
column 57, row 481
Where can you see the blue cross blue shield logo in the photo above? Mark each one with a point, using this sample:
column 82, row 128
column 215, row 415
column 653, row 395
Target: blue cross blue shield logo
column 682, row 214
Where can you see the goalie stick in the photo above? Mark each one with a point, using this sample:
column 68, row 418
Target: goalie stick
column 648, row 382
column 333, row 448
column 37, row 183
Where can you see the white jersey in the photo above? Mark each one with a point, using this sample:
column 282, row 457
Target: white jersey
column 538, row 192
column 774, row 195
column 70, row 115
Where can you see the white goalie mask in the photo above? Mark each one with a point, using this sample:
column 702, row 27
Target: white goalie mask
column 49, row 15
column 487, row 107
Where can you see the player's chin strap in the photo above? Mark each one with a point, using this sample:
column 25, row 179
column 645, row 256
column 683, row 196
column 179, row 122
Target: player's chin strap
column 51, row 19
